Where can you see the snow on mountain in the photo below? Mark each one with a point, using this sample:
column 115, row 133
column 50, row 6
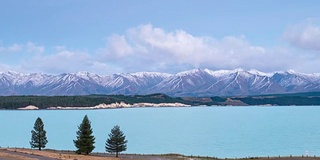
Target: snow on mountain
column 236, row 82
column 183, row 83
column 135, row 83
column 90, row 76
column 297, row 82
column 256, row 72
column 196, row 82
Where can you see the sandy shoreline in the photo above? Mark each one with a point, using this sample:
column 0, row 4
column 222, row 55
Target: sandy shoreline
column 110, row 106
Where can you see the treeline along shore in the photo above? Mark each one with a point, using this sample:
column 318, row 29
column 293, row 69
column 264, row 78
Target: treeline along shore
column 154, row 100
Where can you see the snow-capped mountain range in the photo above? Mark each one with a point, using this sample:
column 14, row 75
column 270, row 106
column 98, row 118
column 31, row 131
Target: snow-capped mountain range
column 197, row 82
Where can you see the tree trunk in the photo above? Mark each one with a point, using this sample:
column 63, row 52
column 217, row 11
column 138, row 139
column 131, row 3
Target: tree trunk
column 116, row 154
column 39, row 141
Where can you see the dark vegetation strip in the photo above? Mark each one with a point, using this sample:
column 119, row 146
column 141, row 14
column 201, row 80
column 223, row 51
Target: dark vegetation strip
column 281, row 100
column 43, row 102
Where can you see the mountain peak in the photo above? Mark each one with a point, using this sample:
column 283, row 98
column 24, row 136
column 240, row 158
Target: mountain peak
column 193, row 71
column 143, row 74
column 290, row 71
column 256, row 72
column 238, row 70
column 218, row 73
column 196, row 82
column 82, row 73
column 13, row 73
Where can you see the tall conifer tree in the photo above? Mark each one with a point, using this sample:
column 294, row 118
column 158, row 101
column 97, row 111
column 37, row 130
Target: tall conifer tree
column 85, row 139
column 38, row 135
column 117, row 141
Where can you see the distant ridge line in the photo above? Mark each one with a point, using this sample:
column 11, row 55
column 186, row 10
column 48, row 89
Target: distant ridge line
column 196, row 82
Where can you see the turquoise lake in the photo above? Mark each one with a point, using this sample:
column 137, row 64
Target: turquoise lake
column 207, row 131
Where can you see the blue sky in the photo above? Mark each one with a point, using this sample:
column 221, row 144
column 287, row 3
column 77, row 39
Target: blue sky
column 105, row 37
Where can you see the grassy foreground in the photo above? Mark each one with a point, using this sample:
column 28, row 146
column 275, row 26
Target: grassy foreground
column 23, row 154
column 69, row 155
column 48, row 154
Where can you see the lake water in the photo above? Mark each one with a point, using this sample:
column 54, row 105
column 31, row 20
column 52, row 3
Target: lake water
column 208, row 131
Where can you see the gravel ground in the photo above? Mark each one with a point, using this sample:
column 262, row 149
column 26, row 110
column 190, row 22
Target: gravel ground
column 18, row 155
column 28, row 154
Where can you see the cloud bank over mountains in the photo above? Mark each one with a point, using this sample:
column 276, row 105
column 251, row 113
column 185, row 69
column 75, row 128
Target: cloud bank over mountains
column 304, row 36
column 149, row 48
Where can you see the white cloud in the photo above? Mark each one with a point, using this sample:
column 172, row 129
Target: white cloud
column 10, row 49
column 63, row 61
column 149, row 48
column 117, row 48
column 60, row 48
column 304, row 36
column 33, row 48
column 4, row 67
column 28, row 47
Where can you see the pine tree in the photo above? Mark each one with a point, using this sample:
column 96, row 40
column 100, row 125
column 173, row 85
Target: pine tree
column 116, row 141
column 38, row 135
column 85, row 139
